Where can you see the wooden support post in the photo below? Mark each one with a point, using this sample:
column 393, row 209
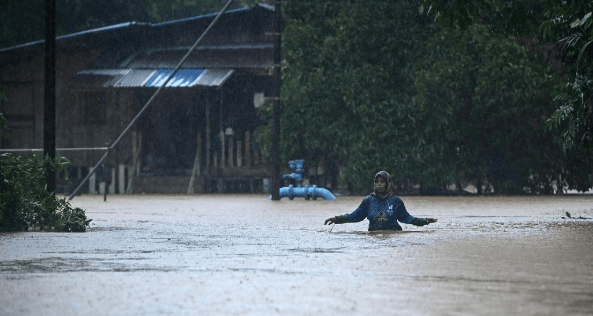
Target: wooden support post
column 92, row 182
column 131, row 171
column 196, row 170
column 231, row 149
column 122, row 178
column 134, row 170
column 134, row 147
column 199, row 150
column 221, row 135
column 139, row 160
column 256, row 157
column 220, row 185
column 208, row 136
column 239, row 154
column 248, row 148
column 112, row 182
column 222, row 149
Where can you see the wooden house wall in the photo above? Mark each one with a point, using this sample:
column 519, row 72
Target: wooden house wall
column 23, row 83
column 23, row 86
column 84, row 123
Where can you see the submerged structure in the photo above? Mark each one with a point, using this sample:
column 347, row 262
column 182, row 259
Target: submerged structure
column 308, row 192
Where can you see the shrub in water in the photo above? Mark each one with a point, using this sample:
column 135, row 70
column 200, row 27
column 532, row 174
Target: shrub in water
column 25, row 204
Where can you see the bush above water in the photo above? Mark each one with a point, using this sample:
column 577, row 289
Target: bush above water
column 25, row 204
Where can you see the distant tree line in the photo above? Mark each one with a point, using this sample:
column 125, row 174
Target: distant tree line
column 496, row 93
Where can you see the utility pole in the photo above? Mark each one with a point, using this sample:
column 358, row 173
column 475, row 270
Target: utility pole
column 275, row 185
column 49, row 113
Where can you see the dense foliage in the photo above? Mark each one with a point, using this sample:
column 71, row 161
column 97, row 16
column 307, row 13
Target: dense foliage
column 571, row 26
column 568, row 24
column 379, row 85
column 486, row 99
column 348, row 78
column 24, row 202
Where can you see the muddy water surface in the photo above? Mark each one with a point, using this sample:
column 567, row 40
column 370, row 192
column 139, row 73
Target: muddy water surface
column 245, row 255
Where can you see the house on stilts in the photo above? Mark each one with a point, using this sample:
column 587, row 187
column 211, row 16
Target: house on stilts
column 198, row 135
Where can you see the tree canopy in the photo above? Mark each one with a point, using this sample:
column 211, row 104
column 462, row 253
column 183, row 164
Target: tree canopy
column 349, row 84
column 569, row 25
column 488, row 98
column 381, row 85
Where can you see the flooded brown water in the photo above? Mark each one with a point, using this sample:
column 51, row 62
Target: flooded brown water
column 245, row 255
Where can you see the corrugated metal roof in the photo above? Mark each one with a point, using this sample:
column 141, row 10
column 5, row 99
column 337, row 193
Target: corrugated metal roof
column 104, row 72
column 214, row 77
column 151, row 78
column 133, row 78
column 182, row 78
column 127, row 78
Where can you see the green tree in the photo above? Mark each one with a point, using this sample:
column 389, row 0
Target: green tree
column 511, row 17
column 486, row 98
column 570, row 25
column 348, row 80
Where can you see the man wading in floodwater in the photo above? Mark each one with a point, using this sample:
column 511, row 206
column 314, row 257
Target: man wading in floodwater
column 382, row 208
